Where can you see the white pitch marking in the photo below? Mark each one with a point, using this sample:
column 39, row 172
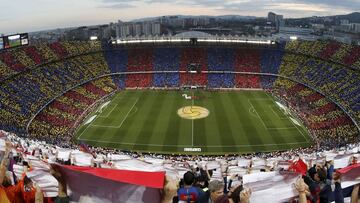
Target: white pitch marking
column 285, row 128
column 295, row 126
column 107, row 115
column 119, row 126
column 299, row 130
column 257, row 114
column 280, row 117
column 214, row 146
column 86, row 128
column 192, row 122
column 287, row 117
column 108, row 126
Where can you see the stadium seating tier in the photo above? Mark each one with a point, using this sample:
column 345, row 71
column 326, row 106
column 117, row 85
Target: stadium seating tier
column 69, row 72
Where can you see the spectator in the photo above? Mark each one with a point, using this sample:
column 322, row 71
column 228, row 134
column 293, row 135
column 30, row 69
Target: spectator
column 319, row 185
column 355, row 194
column 302, row 189
column 236, row 195
column 24, row 190
column 216, row 190
column 169, row 190
column 201, row 182
column 188, row 193
column 62, row 192
column 338, row 193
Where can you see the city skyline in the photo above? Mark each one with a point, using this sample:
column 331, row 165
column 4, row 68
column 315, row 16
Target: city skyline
column 28, row 16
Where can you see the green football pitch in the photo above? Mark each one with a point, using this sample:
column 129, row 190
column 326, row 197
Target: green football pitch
column 168, row 121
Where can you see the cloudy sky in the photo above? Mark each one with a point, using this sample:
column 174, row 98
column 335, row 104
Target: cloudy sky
column 33, row 15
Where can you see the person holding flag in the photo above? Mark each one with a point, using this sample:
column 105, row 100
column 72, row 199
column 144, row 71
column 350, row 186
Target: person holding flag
column 24, row 191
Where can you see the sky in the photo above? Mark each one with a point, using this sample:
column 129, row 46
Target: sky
column 33, row 15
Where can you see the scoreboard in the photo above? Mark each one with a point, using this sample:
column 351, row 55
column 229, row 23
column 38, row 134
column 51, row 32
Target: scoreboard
column 24, row 39
column 12, row 41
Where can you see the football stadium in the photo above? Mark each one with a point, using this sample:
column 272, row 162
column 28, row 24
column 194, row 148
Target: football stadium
column 179, row 119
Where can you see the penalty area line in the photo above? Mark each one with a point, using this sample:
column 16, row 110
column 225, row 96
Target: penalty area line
column 257, row 114
column 108, row 114
column 272, row 109
column 128, row 113
column 119, row 126
column 87, row 128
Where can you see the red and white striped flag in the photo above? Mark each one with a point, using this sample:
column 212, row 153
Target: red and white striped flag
column 350, row 175
column 102, row 185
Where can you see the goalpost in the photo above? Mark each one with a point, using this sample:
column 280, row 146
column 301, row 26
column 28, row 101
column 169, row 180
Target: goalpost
column 100, row 109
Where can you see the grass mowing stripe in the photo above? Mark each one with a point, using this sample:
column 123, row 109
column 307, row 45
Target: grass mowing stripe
column 93, row 131
column 257, row 113
column 118, row 116
column 274, row 107
column 200, row 129
column 108, row 110
column 211, row 129
column 236, row 135
column 270, row 120
column 230, row 127
column 151, row 118
column 138, row 121
column 298, row 137
column 128, row 113
column 124, row 109
column 239, row 112
column 302, row 134
column 281, row 135
column 164, row 119
column 251, row 125
column 223, row 121
column 192, row 121
column 172, row 131
column 301, row 128
column 185, row 127
column 267, row 135
column 101, row 134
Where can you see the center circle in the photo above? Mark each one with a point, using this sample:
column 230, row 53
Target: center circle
column 193, row 112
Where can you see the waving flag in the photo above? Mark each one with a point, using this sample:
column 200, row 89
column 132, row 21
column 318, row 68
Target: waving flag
column 299, row 166
column 92, row 185
column 350, row 175
column 84, row 147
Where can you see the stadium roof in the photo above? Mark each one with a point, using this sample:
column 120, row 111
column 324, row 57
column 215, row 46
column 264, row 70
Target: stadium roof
column 193, row 34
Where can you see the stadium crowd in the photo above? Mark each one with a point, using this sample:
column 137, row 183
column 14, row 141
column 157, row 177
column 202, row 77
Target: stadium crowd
column 17, row 60
column 329, row 50
column 60, row 116
column 312, row 177
column 328, row 124
column 26, row 93
column 326, row 77
column 33, row 76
